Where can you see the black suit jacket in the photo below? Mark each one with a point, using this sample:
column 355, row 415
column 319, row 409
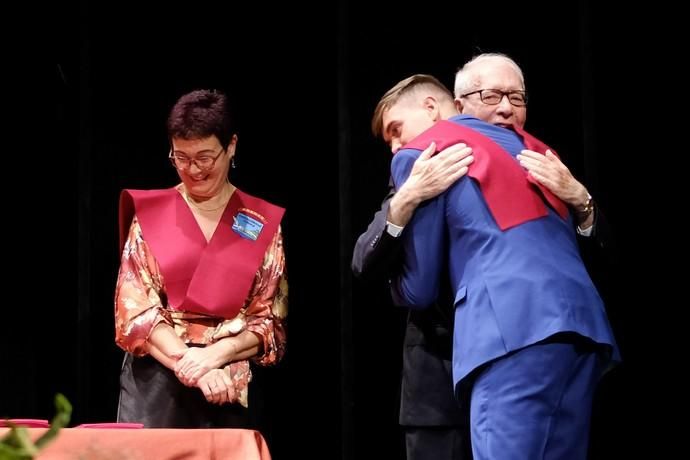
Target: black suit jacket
column 427, row 397
column 599, row 247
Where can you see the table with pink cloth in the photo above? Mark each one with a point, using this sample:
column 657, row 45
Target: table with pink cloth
column 152, row 443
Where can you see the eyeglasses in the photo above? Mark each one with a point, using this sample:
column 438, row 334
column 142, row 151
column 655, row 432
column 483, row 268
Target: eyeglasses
column 203, row 162
column 495, row 96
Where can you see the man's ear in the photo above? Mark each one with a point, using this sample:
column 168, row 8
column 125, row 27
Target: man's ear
column 433, row 108
column 458, row 104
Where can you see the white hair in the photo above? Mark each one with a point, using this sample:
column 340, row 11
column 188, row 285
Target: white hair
column 465, row 80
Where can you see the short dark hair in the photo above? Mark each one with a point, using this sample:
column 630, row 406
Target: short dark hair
column 200, row 114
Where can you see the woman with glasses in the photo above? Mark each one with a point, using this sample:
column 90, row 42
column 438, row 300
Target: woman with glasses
column 202, row 291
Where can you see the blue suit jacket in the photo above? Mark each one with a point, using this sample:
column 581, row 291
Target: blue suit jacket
column 512, row 288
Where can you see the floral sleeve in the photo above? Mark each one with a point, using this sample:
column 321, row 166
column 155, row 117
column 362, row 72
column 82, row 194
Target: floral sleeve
column 138, row 306
column 267, row 303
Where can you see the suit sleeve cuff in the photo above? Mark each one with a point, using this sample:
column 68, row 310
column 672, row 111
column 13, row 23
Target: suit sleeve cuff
column 393, row 230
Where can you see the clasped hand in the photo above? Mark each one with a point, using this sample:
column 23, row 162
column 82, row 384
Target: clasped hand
column 217, row 387
column 194, row 363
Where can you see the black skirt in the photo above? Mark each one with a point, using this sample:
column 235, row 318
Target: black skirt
column 151, row 394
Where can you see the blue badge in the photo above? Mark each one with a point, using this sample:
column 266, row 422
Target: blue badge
column 246, row 227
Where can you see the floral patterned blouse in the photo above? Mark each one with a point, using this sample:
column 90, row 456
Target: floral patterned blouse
column 140, row 304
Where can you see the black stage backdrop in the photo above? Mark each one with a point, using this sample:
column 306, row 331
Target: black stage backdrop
column 305, row 82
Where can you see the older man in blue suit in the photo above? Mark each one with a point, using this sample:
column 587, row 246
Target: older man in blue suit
column 531, row 336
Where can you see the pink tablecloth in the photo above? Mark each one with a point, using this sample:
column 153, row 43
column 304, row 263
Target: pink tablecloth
column 145, row 444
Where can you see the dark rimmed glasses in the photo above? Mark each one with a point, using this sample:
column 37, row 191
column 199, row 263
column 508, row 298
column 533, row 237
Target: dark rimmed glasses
column 203, row 162
column 495, row 96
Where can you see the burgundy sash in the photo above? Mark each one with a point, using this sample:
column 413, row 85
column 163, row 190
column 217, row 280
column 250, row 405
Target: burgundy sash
column 213, row 278
column 510, row 193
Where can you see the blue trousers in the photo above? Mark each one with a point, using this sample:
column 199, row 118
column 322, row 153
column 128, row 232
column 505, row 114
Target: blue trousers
column 535, row 403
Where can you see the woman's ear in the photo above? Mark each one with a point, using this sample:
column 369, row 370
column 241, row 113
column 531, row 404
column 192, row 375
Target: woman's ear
column 232, row 145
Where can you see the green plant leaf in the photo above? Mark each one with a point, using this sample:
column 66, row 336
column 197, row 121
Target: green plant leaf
column 17, row 445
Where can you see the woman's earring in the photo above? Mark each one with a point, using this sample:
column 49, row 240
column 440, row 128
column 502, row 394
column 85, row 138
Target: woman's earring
column 232, row 163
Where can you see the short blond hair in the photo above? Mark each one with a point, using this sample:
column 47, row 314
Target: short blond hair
column 403, row 88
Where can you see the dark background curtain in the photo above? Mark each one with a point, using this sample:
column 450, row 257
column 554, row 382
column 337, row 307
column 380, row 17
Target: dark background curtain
column 305, row 82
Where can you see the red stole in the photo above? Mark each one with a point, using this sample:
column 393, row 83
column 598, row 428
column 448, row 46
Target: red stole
column 511, row 195
column 213, row 278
